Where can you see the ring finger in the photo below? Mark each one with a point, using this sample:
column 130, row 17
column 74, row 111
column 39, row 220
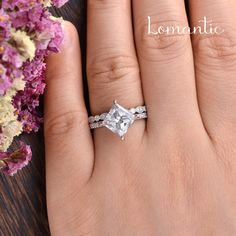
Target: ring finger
column 112, row 66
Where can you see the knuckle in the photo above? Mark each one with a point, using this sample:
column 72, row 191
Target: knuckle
column 65, row 123
column 216, row 46
column 101, row 4
column 165, row 45
column 105, row 70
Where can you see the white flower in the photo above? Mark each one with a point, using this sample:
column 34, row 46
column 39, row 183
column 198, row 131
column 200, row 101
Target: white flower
column 24, row 44
column 9, row 125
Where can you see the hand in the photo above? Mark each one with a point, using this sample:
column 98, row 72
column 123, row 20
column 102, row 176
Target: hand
column 175, row 174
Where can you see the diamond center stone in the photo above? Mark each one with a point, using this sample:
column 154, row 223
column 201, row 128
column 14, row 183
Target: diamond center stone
column 118, row 120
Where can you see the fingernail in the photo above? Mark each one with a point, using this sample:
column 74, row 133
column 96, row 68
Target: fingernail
column 66, row 28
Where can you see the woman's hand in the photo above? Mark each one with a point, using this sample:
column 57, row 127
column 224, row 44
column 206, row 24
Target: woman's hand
column 175, row 174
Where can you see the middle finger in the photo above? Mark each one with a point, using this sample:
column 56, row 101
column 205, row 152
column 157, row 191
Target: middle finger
column 166, row 63
column 112, row 66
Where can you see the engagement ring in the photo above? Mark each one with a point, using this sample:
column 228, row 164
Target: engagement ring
column 118, row 119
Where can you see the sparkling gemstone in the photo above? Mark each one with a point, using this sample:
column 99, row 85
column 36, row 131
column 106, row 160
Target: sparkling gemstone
column 140, row 109
column 102, row 116
column 91, row 119
column 97, row 118
column 118, row 120
column 133, row 110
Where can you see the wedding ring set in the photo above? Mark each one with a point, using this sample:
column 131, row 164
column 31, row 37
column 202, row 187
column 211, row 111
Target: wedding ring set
column 118, row 119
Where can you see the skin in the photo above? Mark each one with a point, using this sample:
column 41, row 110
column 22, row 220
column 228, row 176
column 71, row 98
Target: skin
column 175, row 174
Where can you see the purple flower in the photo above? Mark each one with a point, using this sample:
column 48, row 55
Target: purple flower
column 10, row 163
column 28, row 34
column 10, row 55
column 5, row 82
column 4, row 25
column 59, row 3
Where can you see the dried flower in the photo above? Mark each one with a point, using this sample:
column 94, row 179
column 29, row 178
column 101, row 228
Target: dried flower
column 59, row 3
column 28, row 33
column 24, row 44
column 10, row 163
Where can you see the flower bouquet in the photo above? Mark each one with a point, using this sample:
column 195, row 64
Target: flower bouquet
column 28, row 34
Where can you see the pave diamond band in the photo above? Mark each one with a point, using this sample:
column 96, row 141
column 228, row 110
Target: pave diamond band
column 118, row 119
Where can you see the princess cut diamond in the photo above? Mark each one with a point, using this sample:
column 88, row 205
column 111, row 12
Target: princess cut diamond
column 118, row 120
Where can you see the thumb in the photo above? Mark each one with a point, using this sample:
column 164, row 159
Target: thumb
column 68, row 141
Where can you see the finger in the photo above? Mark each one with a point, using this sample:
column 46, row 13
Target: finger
column 112, row 68
column 166, row 63
column 215, row 56
column 69, row 149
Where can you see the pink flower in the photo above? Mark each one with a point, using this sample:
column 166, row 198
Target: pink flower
column 10, row 163
column 5, row 25
column 28, row 34
column 59, row 3
column 5, row 82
